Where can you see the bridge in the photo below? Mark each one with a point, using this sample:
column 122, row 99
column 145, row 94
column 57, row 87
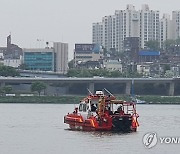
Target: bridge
column 92, row 81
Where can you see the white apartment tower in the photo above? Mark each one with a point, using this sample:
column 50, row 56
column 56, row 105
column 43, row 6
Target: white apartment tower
column 165, row 29
column 104, row 33
column 127, row 23
column 109, row 29
column 149, row 25
column 176, row 24
column 97, row 33
column 61, row 57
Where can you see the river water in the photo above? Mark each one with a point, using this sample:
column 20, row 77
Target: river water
column 39, row 129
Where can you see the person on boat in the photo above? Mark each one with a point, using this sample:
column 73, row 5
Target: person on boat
column 93, row 108
column 108, row 110
column 108, row 98
column 119, row 111
column 75, row 110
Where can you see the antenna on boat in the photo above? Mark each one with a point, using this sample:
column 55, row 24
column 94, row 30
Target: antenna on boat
column 108, row 92
column 89, row 91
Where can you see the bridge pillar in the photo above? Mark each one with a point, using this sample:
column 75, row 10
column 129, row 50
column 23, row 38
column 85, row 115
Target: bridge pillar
column 91, row 87
column 128, row 88
column 171, row 89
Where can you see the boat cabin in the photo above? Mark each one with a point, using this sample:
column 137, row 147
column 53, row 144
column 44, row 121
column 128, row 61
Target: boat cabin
column 91, row 102
column 122, row 107
column 88, row 105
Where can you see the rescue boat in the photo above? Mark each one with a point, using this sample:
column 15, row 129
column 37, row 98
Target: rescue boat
column 100, row 112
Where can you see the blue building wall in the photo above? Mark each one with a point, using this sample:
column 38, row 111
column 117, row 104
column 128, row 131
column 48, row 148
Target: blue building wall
column 43, row 61
column 148, row 55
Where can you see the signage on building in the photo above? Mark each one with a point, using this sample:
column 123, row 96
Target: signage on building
column 84, row 47
column 88, row 48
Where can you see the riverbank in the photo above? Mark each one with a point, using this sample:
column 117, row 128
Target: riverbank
column 41, row 99
column 74, row 99
column 160, row 99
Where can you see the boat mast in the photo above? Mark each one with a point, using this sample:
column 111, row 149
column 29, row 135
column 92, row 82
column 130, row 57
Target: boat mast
column 108, row 92
column 90, row 92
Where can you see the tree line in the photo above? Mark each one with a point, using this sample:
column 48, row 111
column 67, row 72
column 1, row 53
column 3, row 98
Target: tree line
column 75, row 72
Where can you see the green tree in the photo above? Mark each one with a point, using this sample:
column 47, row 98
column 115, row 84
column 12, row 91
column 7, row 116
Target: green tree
column 168, row 43
column 152, row 44
column 132, row 75
column 171, row 45
column 85, row 73
column 73, row 72
column 101, row 73
column 7, row 89
column 1, row 91
column 8, row 71
column 38, row 86
column 166, row 67
column 169, row 74
column 177, row 41
column 116, row 74
column 71, row 64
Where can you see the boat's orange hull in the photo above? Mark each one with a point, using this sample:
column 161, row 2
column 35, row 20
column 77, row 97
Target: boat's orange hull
column 76, row 122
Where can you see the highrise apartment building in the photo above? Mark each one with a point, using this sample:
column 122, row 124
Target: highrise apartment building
column 109, row 30
column 149, row 25
column 98, row 32
column 176, row 24
column 127, row 23
column 165, row 29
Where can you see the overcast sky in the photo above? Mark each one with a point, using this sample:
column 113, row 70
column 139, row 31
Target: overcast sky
column 67, row 21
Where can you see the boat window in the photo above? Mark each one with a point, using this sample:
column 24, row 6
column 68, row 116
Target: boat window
column 80, row 107
column 84, row 107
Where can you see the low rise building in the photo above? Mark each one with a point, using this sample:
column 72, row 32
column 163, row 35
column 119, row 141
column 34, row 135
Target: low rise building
column 143, row 69
column 90, row 65
column 13, row 62
column 12, row 51
column 175, row 70
column 87, row 52
column 41, row 59
column 11, row 55
column 131, row 48
column 148, row 56
column 113, row 65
